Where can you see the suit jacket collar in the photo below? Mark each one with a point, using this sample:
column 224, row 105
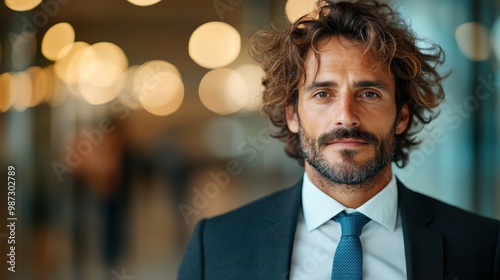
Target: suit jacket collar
column 423, row 245
column 277, row 234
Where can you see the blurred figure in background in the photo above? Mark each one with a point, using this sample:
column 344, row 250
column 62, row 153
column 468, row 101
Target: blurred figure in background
column 125, row 199
column 102, row 192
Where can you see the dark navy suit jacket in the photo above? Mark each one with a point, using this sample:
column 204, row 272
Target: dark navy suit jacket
column 256, row 241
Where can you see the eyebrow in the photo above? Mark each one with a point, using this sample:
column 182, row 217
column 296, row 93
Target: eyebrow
column 357, row 84
column 325, row 84
column 374, row 84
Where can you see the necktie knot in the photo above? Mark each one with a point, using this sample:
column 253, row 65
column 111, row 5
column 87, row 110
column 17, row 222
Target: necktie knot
column 351, row 224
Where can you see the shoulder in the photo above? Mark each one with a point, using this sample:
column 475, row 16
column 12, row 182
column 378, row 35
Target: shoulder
column 241, row 227
column 444, row 214
column 258, row 209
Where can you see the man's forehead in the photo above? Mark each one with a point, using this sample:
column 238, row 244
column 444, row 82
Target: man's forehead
column 333, row 50
column 333, row 56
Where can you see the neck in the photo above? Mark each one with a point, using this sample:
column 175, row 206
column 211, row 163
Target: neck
column 351, row 196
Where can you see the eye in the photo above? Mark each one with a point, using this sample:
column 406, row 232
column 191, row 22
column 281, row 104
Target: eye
column 321, row 94
column 370, row 94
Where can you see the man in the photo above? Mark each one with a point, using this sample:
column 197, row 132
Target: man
column 348, row 87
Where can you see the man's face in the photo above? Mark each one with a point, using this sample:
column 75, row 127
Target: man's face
column 346, row 113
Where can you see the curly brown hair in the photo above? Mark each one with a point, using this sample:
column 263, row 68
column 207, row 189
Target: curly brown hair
column 385, row 36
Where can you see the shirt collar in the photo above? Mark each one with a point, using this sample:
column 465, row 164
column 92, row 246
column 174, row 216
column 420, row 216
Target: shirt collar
column 319, row 207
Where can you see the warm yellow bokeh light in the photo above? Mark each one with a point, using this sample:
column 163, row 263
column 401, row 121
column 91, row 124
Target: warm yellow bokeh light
column 92, row 72
column 96, row 95
column 67, row 67
column 126, row 95
column 296, row 8
column 252, row 74
column 102, row 64
column 22, row 5
column 56, row 38
column 166, row 98
column 223, row 91
column 150, row 76
column 100, row 68
column 214, row 44
column 166, row 109
column 150, row 68
column 158, row 87
column 473, row 39
column 5, row 92
column 144, row 2
column 21, row 90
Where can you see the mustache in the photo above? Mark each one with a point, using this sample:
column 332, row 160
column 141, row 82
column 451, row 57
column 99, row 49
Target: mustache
column 343, row 133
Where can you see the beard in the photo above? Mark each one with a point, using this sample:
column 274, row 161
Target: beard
column 348, row 172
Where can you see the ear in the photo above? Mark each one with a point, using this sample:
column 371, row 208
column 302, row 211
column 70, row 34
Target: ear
column 404, row 116
column 291, row 118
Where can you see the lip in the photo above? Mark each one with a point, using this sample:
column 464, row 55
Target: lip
column 348, row 142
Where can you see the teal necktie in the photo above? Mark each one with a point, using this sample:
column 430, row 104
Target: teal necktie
column 348, row 260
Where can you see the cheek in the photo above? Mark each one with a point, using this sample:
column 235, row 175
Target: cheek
column 313, row 127
column 316, row 120
column 379, row 123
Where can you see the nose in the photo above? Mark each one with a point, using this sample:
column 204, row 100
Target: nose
column 346, row 111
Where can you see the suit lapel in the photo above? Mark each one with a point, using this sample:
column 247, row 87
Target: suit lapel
column 423, row 245
column 276, row 235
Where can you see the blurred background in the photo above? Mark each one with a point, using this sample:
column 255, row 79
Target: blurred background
column 128, row 121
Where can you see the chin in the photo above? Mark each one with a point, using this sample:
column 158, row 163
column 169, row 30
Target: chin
column 350, row 156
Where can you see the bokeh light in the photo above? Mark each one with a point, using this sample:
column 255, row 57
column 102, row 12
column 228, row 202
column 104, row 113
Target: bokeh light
column 158, row 87
column 96, row 95
column 214, row 44
column 92, row 72
column 21, row 90
column 143, row 3
column 294, row 9
column 101, row 66
column 56, row 38
column 127, row 96
column 130, row 91
column 223, row 91
column 150, row 68
column 5, row 92
column 22, row 5
column 67, row 67
column 473, row 39
column 252, row 74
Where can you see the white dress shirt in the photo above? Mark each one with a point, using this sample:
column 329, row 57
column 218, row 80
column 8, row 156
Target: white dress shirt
column 317, row 236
